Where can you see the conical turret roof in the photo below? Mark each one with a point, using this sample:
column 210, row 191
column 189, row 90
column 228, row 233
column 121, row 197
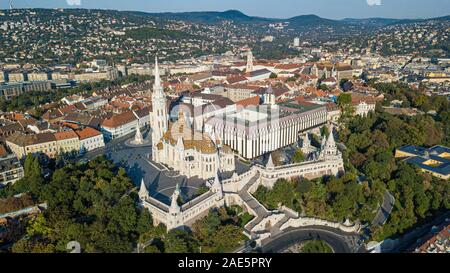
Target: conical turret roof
column 143, row 192
column 270, row 162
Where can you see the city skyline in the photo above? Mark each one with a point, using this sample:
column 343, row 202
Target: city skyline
column 214, row 132
column 400, row 9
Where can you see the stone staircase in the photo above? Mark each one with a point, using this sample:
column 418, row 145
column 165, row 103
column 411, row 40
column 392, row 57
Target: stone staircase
column 261, row 211
column 276, row 229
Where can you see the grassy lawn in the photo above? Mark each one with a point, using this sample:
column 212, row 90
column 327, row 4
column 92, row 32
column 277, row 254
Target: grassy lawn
column 316, row 246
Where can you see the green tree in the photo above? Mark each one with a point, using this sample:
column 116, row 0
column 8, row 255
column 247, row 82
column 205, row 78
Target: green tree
column 298, row 156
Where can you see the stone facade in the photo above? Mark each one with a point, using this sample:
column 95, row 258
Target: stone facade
column 257, row 130
column 183, row 149
column 326, row 161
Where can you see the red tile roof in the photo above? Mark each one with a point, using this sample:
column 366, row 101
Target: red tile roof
column 288, row 66
column 65, row 135
column 87, row 132
column 236, row 79
column 67, row 109
column 119, row 120
column 250, row 101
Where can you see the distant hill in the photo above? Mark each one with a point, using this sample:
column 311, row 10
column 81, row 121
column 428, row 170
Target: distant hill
column 212, row 17
column 209, row 17
column 306, row 20
column 298, row 22
column 381, row 22
column 370, row 22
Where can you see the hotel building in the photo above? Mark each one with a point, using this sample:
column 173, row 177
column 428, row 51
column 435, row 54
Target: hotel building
column 256, row 130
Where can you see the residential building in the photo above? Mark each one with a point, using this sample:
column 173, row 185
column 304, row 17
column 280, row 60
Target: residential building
column 67, row 142
column 10, row 168
column 363, row 104
column 90, row 139
column 438, row 243
column 143, row 116
column 119, row 125
column 21, row 144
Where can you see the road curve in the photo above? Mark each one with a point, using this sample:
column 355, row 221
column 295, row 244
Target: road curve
column 283, row 240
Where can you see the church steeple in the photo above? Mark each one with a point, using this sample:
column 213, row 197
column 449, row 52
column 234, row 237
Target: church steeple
column 157, row 88
column 159, row 117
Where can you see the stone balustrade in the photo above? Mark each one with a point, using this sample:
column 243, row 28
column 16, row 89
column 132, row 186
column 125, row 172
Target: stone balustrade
column 307, row 221
column 269, row 221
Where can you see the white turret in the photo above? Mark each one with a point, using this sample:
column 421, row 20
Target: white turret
column 175, row 209
column 270, row 164
column 143, row 192
column 331, row 144
column 307, row 148
column 175, row 215
column 329, row 147
column 217, row 187
column 306, row 144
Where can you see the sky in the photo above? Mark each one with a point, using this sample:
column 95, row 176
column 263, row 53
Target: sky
column 332, row 9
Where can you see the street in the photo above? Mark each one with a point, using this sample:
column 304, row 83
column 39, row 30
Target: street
column 136, row 161
column 339, row 241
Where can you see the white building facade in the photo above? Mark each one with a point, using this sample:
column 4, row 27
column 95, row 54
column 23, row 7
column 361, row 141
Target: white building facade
column 255, row 131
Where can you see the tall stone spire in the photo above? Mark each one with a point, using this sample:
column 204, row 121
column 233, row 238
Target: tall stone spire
column 143, row 192
column 159, row 117
column 157, row 88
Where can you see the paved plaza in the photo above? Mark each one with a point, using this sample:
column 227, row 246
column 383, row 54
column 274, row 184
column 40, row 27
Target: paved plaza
column 160, row 180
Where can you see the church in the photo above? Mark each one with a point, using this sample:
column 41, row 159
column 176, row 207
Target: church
column 178, row 146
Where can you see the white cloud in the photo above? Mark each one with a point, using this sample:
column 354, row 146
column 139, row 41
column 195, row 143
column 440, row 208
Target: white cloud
column 74, row 2
column 374, row 2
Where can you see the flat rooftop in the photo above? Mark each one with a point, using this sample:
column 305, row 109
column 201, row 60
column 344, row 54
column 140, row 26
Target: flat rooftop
column 435, row 159
column 254, row 117
column 299, row 106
